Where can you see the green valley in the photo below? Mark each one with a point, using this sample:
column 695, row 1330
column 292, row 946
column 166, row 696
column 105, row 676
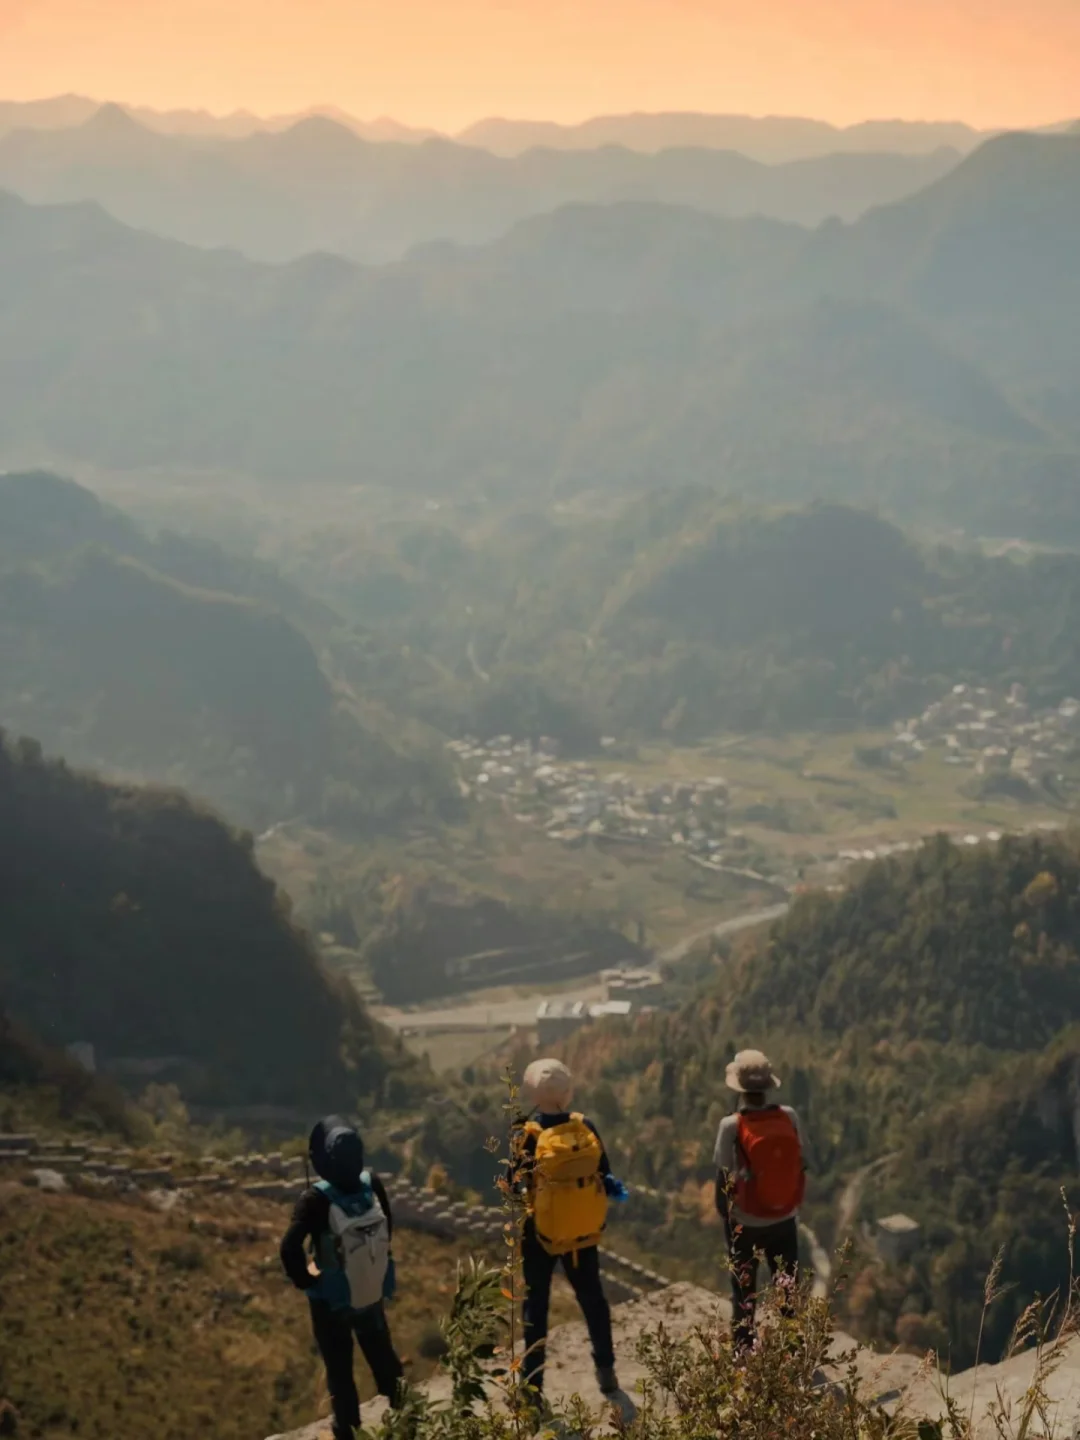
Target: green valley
column 553, row 589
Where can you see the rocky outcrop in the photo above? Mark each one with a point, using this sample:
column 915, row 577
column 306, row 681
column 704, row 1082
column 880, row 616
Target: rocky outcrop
column 894, row 1381
column 569, row 1368
column 680, row 1309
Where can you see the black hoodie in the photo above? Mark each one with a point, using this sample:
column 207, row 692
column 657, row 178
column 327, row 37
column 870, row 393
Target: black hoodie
column 337, row 1155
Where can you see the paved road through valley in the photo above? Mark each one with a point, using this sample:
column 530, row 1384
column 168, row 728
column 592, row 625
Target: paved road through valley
column 726, row 928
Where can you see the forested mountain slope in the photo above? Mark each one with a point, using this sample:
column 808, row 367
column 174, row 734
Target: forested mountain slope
column 683, row 615
column 139, row 922
column 169, row 660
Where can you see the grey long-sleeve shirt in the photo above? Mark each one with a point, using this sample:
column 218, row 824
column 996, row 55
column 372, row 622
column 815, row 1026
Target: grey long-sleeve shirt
column 729, row 1164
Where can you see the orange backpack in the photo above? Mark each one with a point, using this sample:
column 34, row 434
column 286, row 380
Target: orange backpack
column 772, row 1180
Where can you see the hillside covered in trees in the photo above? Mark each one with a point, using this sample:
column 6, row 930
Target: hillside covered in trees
column 683, row 615
column 955, row 947
column 39, row 1083
column 136, row 921
column 312, row 689
column 170, row 660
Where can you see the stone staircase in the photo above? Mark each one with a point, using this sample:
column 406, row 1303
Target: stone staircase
column 281, row 1179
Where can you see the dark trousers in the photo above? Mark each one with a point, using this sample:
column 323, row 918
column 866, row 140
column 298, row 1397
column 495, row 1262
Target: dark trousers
column 583, row 1271
column 334, row 1332
column 778, row 1245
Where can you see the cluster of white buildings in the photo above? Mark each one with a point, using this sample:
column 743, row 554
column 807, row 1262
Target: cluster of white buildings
column 1025, row 751
column 569, row 799
column 995, row 734
column 626, row 993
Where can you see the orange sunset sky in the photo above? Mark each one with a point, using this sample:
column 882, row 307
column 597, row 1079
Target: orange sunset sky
column 447, row 62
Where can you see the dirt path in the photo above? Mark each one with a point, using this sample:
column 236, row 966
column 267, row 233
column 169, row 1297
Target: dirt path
column 819, row 1258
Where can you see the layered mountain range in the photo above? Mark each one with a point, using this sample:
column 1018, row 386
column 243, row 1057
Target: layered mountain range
column 320, row 184
column 925, row 357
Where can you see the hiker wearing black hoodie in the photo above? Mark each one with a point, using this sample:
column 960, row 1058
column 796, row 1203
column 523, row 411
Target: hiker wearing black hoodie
column 346, row 1189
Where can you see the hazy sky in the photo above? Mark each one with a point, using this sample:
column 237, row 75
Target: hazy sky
column 446, row 62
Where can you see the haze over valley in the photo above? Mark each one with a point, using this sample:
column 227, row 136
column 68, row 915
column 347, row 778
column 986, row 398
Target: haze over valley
column 605, row 586
column 923, row 358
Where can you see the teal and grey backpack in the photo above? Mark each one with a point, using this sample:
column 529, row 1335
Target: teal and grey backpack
column 358, row 1241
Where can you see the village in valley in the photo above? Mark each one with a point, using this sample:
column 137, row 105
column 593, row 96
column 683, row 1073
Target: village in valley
column 570, row 799
column 999, row 735
column 788, row 813
column 1016, row 755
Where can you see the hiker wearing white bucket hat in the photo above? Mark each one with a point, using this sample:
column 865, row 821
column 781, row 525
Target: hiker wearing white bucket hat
column 548, row 1086
column 562, row 1168
column 760, row 1159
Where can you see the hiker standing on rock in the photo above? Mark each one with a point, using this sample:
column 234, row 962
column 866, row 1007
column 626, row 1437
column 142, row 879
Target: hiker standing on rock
column 760, row 1182
column 559, row 1164
column 344, row 1221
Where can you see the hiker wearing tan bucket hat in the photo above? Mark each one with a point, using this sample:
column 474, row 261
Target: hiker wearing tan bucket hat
column 751, row 1074
column 760, row 1159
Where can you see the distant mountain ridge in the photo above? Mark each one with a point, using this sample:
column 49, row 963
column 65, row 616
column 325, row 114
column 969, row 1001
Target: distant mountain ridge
column 318, row 184
column 593, row 347
column 770, row 138
column 63, row 111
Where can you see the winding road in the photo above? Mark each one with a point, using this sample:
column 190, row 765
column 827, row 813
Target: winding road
column 725, row 928
column 851, row 1195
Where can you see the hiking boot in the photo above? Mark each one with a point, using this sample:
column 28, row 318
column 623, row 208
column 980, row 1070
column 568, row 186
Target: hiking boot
column 607, row 1379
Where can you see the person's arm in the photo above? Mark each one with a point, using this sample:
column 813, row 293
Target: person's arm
column 615, row 1189
column 379, row 1190
column 384, row 1200
column 605, row 1163
column 726, row 1161
column 723, row 1194
column 803, row 1145
column 309, row 1217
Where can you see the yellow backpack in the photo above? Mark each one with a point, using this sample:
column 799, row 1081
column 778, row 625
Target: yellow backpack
column 567, row 1199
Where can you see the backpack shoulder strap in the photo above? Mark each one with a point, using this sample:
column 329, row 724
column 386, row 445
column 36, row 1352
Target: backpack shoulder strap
column 771, row 1114
column 744, row 1124
column 740, row 1148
